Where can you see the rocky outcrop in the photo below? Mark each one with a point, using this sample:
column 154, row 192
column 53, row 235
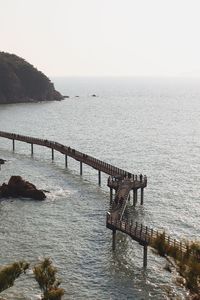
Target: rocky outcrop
column 22, row 82
column 2, row 161
column 17, row 187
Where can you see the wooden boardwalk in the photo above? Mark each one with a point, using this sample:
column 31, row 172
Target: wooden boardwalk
column 83, row 158
column 146, row 236
column 120, row 181
column 123, row 187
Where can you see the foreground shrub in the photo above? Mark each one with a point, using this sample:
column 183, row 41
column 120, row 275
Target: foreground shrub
column 192, row 276
column 45, row 275
column 160, row 244
column 187, row 261
column 9, row 273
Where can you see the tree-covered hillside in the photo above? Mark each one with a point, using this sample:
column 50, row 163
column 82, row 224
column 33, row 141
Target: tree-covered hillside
column 22, row 82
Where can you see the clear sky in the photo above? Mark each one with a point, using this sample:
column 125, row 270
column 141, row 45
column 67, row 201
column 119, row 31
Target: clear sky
column 104, row 37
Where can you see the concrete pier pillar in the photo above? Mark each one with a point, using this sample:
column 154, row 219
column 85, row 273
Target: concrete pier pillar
column 142, row 196
column 134, row 197
column 111, row 195
column 13, row 142
column 52, row 153
column 145, row 257
column 31, row 149
column 99, row 178
column 114, row 239
column 81, row 168
column 66, row 162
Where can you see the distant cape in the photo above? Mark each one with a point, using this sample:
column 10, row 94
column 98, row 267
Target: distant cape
column 22, row 82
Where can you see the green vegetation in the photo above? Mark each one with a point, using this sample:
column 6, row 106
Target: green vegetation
column 44, row 273
column 22, row 82
column 164, row 248
column 187, row 261
column 9, row 273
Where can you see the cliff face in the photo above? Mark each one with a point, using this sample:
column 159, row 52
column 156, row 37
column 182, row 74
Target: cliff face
column 22, row 82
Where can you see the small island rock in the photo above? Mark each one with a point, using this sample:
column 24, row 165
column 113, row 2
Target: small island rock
column 17, row 187
column 2, row 161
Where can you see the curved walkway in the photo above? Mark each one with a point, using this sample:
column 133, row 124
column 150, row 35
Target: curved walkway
column 119, row 180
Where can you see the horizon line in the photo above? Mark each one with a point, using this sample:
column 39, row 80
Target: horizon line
column 129, row 76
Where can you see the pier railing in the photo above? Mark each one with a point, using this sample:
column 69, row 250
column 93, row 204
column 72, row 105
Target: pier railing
column 68, row 151
column 137, row 180
column 147, row 236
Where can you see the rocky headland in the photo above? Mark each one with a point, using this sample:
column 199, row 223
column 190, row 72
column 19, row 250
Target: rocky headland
column 22, row 82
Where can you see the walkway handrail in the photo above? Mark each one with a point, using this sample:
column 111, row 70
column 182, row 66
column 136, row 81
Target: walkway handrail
column 79, row 156
column 146, row 235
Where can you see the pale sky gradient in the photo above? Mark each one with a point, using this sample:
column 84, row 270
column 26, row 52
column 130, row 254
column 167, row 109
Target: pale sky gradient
column 104, row 37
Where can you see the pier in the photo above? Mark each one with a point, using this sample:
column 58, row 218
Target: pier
column 67, row 151
column 124, row 188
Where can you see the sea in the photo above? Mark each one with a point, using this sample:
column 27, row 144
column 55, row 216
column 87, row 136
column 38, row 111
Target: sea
column 142, row 125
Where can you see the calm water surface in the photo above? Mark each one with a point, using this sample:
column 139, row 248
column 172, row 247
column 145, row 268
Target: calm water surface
column 147, row 126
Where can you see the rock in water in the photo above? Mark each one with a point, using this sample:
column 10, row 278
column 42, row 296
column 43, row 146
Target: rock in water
column 2, row 161
column 17, row 187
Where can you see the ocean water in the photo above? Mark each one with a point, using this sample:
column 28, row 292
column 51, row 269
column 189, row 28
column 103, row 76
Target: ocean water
column 143, row 125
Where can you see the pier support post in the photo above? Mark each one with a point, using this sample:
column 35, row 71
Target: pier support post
column 81, row 168
column 145, row 257
column 13, row 142
column 134, row 197
column 31, row 149
column 65, row 160
column 142, row 196
column 111, row 195
column 52, row 153
column 129, row 198
column 114, row 239
column 99, row 178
